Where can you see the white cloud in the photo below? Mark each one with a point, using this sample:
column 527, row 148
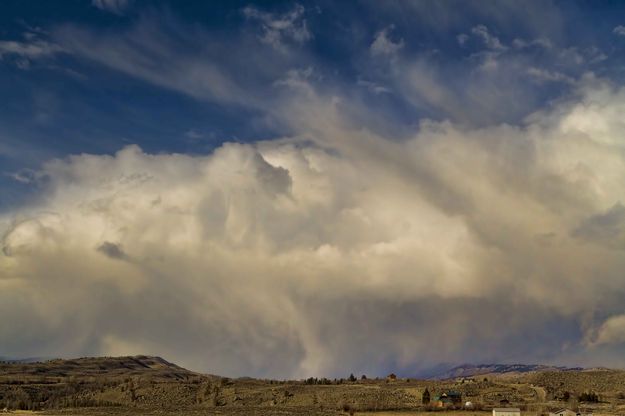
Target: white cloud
column 611, row 331
column 540, row 42
column 374, row 87
column 29, row 50
column 383, row 45
column 278, row 28
column 297, row 78
column 193, row 134
column 619, row 30
column 543, row 75
column 275, row 258
column 489, row 40
column 272, row 258
column 145, row 53
column 113, row 6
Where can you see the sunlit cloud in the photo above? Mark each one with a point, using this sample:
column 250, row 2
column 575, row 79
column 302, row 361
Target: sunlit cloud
column 253, row 245
column 416, row 207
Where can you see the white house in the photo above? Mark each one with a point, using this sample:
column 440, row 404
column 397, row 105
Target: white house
column 507, row 411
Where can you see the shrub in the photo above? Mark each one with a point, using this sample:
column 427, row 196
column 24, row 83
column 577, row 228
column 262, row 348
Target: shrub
column 589, row 397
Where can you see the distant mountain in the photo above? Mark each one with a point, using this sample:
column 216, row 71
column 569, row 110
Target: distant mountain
column 474, row 370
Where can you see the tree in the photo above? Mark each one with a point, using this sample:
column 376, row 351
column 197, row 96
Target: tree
column 352, row 378
column 425, row 399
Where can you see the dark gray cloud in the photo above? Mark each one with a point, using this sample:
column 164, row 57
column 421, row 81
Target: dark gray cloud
column 606, row 228
column 112, row 250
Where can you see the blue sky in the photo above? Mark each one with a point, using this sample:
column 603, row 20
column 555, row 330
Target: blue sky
column 64, row 97
column 374, row 168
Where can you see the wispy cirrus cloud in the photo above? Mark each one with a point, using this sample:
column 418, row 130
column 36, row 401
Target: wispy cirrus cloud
column 28, row 50
column 280, row 28
column 145, row 53
column 113, row 6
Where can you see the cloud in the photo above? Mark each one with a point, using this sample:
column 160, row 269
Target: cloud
column 540, row 42
column 383, row 45
column 281, row 28
column 146, row 53
column 489, row 40
column 31, row 49
column 543, row 75
column 373, row 87
column 604, row 228
column 112, row 250
column 24, row 176
column 480, row 220
column 619, row 30
column 275, row 258
column 611, row 331
column 193, row 134
column 113, row 6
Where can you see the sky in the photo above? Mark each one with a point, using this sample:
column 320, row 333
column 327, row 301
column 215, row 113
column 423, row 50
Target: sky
column 295, row 189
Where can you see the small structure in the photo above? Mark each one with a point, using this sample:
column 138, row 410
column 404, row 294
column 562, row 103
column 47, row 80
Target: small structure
column 448, row 398
column 391, row 377
column 462, row 380
column 506, row 411
column 564, row 412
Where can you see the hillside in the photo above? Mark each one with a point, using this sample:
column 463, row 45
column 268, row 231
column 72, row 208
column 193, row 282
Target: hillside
column 99, row 381
column 143, row 384
column 81, row 369
column 485, row 370
column 608, row 383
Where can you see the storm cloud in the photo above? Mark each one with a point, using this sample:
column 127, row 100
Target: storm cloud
column 332, row 250
column 319, row 198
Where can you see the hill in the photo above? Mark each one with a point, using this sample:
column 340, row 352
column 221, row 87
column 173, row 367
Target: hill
column 82, row 369
column 145, row 385
column 486, row 370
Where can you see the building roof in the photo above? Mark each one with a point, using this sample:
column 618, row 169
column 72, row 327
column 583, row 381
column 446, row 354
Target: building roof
column 506, row 409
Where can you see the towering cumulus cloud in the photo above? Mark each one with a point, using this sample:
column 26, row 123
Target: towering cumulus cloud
column 334, row 250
